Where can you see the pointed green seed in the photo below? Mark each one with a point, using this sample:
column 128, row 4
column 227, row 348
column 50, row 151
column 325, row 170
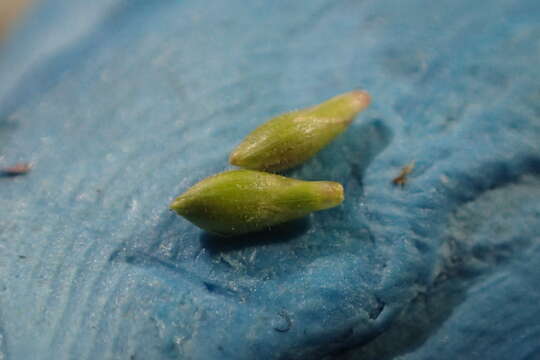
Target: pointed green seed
column 291, row 138
column 241, row 201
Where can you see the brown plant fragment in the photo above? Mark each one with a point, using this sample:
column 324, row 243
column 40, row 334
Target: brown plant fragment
column 401, row 179
column 16, row 170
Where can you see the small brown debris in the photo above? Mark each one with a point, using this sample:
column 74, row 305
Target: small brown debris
column 16, row 170
column 401, row 179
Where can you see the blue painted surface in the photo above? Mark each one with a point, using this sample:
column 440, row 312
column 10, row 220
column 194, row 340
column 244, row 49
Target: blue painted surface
column 122, row 105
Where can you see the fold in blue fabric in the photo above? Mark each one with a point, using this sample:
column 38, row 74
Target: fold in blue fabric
column 121, row 105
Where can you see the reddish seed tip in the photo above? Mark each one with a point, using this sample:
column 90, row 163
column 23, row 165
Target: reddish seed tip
column 361, row 98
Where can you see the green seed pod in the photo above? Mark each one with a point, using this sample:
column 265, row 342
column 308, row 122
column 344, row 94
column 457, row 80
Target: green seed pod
column 290, row 139
column 241, row 201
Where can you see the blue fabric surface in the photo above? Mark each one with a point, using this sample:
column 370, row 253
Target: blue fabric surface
column 122, row 105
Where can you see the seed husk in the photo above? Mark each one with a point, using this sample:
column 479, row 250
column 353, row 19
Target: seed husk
column 289, row 139
column 242, row 201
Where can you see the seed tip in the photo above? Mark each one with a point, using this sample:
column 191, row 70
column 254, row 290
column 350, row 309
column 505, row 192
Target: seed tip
column 333, row 194
column 340, row 193
column 235, row 158
column 361, row 99
column 177, row 205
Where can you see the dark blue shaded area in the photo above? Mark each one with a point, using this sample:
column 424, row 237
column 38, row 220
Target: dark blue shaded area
column 122, row 105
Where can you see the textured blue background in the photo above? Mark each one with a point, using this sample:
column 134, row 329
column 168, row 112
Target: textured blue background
column 122, row 105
